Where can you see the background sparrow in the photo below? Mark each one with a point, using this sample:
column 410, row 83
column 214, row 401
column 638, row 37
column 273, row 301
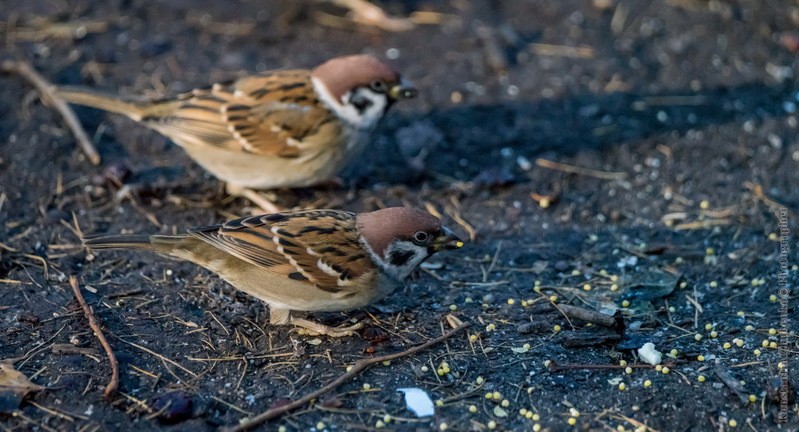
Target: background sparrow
column 312, row 260
column 285, row 128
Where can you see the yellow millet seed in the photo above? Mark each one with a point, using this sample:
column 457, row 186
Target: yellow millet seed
column 628, row 370
column 714, row 334
column 625, row 303
column 556, row 328
column 453, row 307
column 697, row 337
column 714, row 284
column 659, row 368
column 505, row 403
column 442, row 426
column 511, row 301
column 523, row 411
column 764, row 344
column 614, row 278
column 732, row 423
column 674, row 352
column 772, row 298
column 666, row 370
column 367, row 386
column 704, row 204
column 587, row 287
column 553, row 298
column 472, row 409
column 772, row 331
column 492, row 424
column 741, row 314
column 439, row 403
column 489, row 395
column 757, row 352
column 700, row 378
column 320, row 426
column 529, row 414
column 536, row 417
column 622, row 362
column 380, row 424
column 614, row 287
column 727, row 345
column 622, row 386
column 700, row 357
column 647, row 383
column 473, row 338
column 496, row 395
column 772, row 345
column 479, row 380
column 749, row 328
column 708, row 326
column 491, row 327
column 571, row 421
column 536, row 427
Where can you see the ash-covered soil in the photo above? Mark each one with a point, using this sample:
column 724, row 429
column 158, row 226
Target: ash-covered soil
column 662, row 135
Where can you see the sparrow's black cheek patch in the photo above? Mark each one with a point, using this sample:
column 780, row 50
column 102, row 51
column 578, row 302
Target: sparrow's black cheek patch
column 400, row 258
column 297, row 276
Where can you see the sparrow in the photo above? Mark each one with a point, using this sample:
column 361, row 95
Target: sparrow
column 310, row 260
column 279, row 129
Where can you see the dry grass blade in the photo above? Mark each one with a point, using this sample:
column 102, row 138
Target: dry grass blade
column 571, row 169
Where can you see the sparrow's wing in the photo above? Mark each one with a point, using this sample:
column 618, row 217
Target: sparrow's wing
column 317, row 246
column 269, row 114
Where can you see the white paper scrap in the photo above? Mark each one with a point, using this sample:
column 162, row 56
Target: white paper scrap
column 418, row 401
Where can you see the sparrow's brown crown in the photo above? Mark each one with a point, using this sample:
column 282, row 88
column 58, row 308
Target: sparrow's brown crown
column 343, row 74
column 379, row 228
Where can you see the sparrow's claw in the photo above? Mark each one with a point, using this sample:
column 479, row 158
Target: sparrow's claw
column 310, row 328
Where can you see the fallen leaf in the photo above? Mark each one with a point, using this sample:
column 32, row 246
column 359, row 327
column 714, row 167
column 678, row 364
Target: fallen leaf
column 14, row 386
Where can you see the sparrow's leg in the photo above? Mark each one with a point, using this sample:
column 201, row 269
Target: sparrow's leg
column 257, row 198
column 315, row 329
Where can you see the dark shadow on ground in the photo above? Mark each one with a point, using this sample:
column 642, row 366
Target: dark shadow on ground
column 476, row 138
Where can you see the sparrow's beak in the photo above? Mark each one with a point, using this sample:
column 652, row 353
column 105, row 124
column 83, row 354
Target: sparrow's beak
column 403, row 90
column 447, row 240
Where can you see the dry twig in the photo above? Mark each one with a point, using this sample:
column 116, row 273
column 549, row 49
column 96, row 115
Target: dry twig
column 112, row 386
column 358, row 367
column 587, row 315
column 24, row 70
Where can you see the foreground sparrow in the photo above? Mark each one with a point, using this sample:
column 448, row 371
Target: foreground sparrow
column 280, row 129
column 312, row 260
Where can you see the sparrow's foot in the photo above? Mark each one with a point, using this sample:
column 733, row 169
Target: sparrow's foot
column 257, row 198
column 311, row 328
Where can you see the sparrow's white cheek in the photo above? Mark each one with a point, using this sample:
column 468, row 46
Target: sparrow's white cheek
column 370, row 109
column 402, row 257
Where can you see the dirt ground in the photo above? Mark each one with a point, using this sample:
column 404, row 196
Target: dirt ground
column 662, row 135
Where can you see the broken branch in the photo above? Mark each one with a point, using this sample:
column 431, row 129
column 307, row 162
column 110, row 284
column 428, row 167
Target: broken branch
column 113, row 385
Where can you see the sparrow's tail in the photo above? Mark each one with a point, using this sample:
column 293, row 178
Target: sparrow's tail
column 137, row 110
column 165, row 245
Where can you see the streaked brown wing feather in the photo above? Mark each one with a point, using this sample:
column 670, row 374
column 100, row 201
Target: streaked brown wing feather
column 318, row 245
column 266, row 114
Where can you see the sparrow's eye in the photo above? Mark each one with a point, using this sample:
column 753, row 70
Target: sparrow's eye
column 420, row 237
column 379, row 86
